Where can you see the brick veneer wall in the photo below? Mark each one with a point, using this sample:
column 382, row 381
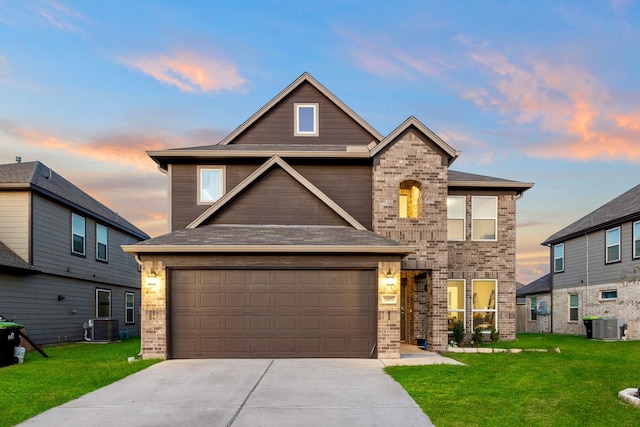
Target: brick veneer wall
column 471, row 260
column 388, row 314
column 411, row 158
column 154, row 312
column 590, row 304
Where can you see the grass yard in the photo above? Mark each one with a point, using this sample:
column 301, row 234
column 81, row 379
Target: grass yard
column 70, row 371
column 577, row 387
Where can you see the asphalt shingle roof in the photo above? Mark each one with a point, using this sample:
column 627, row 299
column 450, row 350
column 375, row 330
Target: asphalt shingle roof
column 271, row 235
column 540, row 285
column 37, row 177
column 12, row 261
column 621, row 209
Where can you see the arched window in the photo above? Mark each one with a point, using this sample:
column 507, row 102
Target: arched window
column 409, row 199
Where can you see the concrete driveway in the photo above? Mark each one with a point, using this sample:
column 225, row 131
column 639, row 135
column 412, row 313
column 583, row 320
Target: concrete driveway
column 239, row 393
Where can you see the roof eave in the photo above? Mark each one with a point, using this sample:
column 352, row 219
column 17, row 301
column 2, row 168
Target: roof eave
column 518, row 186
column 142, row 248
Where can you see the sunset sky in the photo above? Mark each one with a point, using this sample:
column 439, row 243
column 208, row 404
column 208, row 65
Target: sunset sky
column 535, row 91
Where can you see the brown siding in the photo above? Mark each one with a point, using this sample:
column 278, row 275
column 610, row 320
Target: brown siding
column 277, row 199
column 276, row 127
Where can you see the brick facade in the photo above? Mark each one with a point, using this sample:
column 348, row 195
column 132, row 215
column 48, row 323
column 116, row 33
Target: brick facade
column 411, row 158
column 154, row 312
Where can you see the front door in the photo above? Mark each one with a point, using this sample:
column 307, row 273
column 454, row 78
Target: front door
column 403, row 310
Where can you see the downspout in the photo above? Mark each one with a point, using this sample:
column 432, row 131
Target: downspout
column 587, row 264
column 551, row 273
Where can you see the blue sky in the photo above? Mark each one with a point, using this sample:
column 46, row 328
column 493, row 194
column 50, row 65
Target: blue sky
column 535, row 91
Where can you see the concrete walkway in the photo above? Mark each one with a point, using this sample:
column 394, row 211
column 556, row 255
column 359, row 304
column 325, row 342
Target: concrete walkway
column 252, row 392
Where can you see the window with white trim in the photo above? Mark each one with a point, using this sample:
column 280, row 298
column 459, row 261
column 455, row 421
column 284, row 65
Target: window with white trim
column 573, row 307
column 456, row 217
column 102, row 245
column 558, row 258
column 609, row 295
column 533, row 302
column 636, row 239
column 305, row 120
column 129, row 307
column 613, row 245
column 484, row 304
column 484, row 214
column 103, row 302
column 211, row 183
column 456, row 294
column 78, row 234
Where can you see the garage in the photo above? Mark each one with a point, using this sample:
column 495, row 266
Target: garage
column 245, row 313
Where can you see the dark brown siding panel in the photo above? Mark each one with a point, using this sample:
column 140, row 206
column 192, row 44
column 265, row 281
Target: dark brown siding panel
column 335, row 126
column 277, row 199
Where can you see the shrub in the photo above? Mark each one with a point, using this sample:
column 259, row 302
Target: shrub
column 458, row 332
column 478, row 337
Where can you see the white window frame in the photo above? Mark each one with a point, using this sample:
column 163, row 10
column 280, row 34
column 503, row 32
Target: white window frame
column 603, row 298
column 556, row 258
column 75, row 217
column 533, row 308
column 486, row 310
column 577, row 307
column 296, row 121
column 636, row 240
column 201, row 171
column 474, row 217
column 460, row 217
column 463, row 310
column 608, row 245
column 105, row 243
column 129, row 309
column 98, row 291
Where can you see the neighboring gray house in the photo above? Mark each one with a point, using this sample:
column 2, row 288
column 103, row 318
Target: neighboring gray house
column 595, row 266
column 536, row 297
column 60, row 257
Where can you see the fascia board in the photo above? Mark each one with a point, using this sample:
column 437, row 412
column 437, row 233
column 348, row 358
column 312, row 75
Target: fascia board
column 137, row 249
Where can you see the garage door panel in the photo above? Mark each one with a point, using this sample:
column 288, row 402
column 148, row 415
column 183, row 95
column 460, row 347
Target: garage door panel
column 272, row 313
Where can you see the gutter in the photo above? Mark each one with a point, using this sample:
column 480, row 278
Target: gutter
column 140, row 249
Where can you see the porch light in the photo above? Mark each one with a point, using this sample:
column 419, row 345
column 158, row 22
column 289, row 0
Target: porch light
column 152, row 279
column 389, row 280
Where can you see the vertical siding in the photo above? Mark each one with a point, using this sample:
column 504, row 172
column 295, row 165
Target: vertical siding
column 14, row 223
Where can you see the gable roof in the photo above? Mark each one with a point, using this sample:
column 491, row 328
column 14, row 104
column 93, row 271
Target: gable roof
column 270, row 238
column 36, row 177
column 538, row 286
column 272, row 162
column 623, row 208
column 458, row 179
column 12, row 262
column 304, row 78
column 413, row 122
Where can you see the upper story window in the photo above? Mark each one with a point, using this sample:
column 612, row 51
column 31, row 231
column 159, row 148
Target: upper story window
column 456, row 217
column 77, row 234
column 484, row 211
column 102, row 237
column 558, row 258
column 305, row 120
column 613, row 245
column 409, row 199
column 211, row 182
column 636, row 239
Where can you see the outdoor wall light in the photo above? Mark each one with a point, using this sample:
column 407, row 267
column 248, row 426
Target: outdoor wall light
column 389, row 280
column 152, row 279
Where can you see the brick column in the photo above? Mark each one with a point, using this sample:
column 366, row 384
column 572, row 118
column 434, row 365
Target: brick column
column 388, row 311
column 153, row 311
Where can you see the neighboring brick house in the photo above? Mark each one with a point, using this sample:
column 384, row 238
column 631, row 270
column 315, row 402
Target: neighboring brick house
column 537, row 298
column 306, row 233
column 60, row 258
column 595, row 266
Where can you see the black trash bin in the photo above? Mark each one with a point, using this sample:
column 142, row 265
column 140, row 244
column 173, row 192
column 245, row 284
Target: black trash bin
column 588, row 323
column 9, row 340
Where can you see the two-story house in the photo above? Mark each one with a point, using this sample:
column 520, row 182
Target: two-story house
column 60, row 258
column 595, row 268
column 307, row 233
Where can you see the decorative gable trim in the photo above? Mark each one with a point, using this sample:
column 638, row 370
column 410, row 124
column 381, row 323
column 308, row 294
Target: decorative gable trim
column 412, row 121
column 305, row 77
column 273, row 161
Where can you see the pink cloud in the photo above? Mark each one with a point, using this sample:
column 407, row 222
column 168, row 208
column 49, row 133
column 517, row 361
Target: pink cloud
column 189, row 71
column 565, row 100
column 60, row 16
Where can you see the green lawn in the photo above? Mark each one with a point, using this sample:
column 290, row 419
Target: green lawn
column 70, row 371
column 577, row 387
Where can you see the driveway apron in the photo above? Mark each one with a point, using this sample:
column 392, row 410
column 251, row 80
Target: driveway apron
column 243, row 393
